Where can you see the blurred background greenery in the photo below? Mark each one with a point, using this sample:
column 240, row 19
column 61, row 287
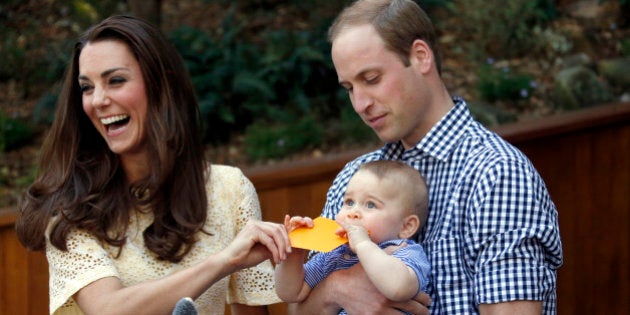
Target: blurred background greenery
column 266, row 85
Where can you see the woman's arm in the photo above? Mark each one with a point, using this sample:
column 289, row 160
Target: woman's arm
column 242, row 309
column 257, row 242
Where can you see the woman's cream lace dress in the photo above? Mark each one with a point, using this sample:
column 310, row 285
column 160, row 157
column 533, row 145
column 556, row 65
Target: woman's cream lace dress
column 232, row 202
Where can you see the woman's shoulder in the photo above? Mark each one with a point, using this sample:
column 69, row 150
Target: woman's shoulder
column 224, row 169
column 224, row 174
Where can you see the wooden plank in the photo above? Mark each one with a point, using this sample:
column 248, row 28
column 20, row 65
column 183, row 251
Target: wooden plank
column 587, row 173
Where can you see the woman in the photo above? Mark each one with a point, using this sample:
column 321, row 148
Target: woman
column 129, row 214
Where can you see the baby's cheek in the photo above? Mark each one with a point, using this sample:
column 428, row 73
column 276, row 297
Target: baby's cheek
column 339, row 219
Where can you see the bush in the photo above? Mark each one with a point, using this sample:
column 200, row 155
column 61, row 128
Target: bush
column 282, row 139
column 503, row 84
column 502, row 28
column 13, row 133
column 241, row 81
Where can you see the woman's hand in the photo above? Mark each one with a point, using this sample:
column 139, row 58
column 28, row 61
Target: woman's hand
column 256, row 242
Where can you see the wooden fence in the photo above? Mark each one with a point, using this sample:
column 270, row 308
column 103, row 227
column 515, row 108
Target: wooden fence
column 583, row 156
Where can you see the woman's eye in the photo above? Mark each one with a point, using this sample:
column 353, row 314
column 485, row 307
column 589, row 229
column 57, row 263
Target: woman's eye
column 117, row 80
column 84, row 88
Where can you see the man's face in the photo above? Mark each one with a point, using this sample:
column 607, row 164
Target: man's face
column 388, row 96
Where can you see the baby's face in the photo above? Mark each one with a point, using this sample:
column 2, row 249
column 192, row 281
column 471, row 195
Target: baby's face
column 376, row 204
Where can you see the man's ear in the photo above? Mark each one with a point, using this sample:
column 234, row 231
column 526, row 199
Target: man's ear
column 410, row 226
column 421, row 56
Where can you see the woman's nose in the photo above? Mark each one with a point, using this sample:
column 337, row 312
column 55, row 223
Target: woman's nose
column 99, row 97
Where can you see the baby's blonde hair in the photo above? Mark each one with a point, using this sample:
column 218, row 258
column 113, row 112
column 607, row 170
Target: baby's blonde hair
column 410, row 180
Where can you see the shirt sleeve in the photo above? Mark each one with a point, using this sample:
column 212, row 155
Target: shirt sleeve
column 413, row 255
column 255, row 285
column 69, row 271
column 323, row 264
column 513, row 233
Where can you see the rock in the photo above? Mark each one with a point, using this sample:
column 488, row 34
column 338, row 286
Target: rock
column 489, row 115
column 579, row 59
column 616, row 71
column 578, row 87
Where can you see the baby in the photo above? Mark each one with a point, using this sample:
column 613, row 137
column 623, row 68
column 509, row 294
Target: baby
column 385, row 205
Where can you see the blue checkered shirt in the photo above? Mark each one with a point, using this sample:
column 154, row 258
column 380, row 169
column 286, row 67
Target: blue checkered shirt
column 492, row 234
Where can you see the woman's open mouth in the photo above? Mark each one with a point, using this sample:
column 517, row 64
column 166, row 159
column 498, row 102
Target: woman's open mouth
column 113, row 123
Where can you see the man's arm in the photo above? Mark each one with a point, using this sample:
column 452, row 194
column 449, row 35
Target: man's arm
column 511, row 308
column 353, row 291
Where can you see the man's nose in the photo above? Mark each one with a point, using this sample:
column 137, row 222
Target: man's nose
column 361, row 100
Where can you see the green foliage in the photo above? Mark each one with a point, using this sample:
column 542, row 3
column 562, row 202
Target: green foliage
column 223, row 77
column 501, row 83
column 34, row 61
column 281, row 139
column 13, row 133
column 267, row 64
column 240, row 81
column 44, row 110
column 625, row 47
column 620, row 1
column 502, row 28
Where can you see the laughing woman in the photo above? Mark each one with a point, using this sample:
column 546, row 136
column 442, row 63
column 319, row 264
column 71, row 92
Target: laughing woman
column 128, row 212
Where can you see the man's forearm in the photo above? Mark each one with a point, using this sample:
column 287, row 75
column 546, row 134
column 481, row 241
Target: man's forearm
column 319, row 301
column 512, row 308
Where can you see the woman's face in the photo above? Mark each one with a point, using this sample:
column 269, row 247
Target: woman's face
column 114, row 97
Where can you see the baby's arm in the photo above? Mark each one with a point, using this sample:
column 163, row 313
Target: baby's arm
column 289, row 274
column 391, row 276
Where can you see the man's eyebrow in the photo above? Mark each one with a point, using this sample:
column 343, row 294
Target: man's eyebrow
column 104, row 74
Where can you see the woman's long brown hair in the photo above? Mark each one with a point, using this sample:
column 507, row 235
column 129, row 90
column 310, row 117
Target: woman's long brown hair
column 80, row 181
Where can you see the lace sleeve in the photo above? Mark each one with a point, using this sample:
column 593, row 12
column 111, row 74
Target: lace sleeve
column 252, row 286
column 85, row 262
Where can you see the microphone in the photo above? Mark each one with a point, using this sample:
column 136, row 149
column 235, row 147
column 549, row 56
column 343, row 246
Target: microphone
column 185, row 306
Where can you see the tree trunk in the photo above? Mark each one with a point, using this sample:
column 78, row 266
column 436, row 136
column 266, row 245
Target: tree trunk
column 149, row 10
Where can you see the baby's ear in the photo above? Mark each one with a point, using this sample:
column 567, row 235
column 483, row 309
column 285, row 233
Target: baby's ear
column 410, row 226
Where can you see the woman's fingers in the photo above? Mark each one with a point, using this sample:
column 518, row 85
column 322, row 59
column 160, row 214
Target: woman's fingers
column 272, row 235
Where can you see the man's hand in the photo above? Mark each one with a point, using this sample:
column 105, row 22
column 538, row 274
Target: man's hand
column 351, row 290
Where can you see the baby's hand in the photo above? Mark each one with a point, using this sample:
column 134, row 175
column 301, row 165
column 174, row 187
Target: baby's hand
column 292, row 223
column 355, row 233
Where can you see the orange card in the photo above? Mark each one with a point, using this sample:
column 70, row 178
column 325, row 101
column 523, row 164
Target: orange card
column 321, row 237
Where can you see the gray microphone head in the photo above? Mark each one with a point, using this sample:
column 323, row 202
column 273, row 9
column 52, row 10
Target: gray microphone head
column 185, row 306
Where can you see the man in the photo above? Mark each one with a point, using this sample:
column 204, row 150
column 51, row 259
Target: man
column 492, row 235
